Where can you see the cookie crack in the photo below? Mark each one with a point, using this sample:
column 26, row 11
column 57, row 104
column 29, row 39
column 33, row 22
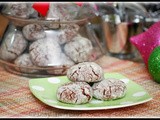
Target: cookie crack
column 72, row 75
column 85, row 94
column 94, row 72
column 10, row 50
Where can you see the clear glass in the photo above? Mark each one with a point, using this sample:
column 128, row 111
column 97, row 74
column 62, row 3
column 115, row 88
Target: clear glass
column 51, row 55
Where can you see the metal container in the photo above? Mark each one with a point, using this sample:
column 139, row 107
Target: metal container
column 117, row 34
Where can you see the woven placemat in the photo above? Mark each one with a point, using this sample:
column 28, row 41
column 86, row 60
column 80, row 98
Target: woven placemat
column 16, row 100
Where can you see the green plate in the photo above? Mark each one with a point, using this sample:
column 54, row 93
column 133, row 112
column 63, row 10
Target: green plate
column 45, row 90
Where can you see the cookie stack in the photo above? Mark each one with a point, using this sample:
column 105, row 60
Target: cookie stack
column 87, row 81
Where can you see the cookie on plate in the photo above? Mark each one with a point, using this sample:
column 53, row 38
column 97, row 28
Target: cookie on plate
column 109, row 89
column 75, row 93
column 85, row 72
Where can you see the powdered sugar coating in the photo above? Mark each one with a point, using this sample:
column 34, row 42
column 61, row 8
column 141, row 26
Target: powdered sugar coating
column 79, row 49
column 24, row 60
column 109, row 89
column 67, row 33
column 45, row 52
column 65, row 62
column 33, row 32
column 19, row 10
column 85, row 72
column 53, row 12
column 13, row 45
column 75, row 93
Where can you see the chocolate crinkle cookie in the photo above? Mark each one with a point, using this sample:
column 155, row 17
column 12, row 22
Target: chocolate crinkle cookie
column 75, row 93
column 65, row 63
column 109, row 89
column 53, row 12
column 63, row 11
column 13, row 45
column 19, row 10
column 67, row 12
column 87, row 10
column 45, row 52
column 67, row 33
column 23, row 61
column 33, row 32
column 79, row 49
column 85, row 72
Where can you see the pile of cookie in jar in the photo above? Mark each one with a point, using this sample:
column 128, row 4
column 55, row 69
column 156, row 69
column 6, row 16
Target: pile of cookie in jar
column 87, row 81
column 33, row 45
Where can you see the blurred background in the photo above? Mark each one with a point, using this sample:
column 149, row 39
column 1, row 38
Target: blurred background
column 121, row 20
column 113, row 23
column 108, row 25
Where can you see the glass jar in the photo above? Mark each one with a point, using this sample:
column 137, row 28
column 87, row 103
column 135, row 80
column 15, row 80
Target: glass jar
column 42, row 48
